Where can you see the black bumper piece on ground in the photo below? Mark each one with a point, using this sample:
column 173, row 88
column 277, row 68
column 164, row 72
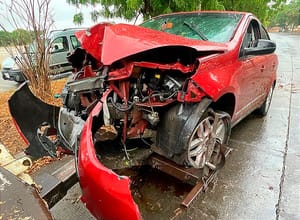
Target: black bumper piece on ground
column 30, row 113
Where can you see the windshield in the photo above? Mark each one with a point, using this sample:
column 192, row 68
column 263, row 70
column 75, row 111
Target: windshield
column 216, row 27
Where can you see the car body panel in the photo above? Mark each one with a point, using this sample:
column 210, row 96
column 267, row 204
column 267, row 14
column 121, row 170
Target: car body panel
column 133, row 40
column 239, row 78
column 115, row 189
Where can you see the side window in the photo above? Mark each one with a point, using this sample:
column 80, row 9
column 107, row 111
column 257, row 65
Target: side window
column 60, row 44
column 75, row 43
column 264, row 33
column 251, row 36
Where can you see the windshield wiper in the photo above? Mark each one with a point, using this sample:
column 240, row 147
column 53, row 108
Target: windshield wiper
column 193, row 28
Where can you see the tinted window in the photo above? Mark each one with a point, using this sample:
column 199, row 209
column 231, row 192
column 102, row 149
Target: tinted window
column 217, row 27
column 75, row 43
column 252, row 35
column 60, row 44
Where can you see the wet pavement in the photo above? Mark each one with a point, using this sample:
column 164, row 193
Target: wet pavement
column 261, row 178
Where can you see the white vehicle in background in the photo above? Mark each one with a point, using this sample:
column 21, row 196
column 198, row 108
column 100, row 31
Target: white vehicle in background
column 62, row 42
column 11, row 71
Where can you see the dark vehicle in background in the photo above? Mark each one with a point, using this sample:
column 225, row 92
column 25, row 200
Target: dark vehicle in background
column 173, row 86
column 62, row 43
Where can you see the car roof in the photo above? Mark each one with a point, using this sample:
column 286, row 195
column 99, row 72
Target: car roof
column 64, row 32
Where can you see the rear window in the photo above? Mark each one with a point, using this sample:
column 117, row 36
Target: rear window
column 216, row 27
column 75, row 42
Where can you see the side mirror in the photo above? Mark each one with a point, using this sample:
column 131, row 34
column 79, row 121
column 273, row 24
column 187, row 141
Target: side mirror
column 262, row 47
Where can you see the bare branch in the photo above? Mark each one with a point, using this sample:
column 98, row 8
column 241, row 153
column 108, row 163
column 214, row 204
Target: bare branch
column 35, row 17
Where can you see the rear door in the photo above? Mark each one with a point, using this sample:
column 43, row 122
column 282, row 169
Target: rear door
column 59, row 50
column 269, row 73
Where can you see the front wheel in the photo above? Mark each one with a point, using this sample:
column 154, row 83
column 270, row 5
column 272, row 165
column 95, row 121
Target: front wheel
column 212, row 131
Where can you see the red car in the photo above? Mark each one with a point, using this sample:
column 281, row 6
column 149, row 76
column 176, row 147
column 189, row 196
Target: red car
column 174, row 86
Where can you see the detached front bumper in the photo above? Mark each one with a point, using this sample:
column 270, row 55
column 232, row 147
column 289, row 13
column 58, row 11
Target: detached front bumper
column 106, row 194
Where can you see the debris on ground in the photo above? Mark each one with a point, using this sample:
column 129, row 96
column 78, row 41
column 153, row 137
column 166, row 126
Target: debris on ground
column 9, row 136
column 40, row 163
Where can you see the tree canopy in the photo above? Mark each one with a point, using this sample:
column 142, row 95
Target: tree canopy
column 287, row 16
column 131, row 9
column 18, row 36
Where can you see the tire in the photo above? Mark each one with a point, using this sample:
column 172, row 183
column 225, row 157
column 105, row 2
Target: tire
column 264, row 108
column 204, row 137
column 19, row 78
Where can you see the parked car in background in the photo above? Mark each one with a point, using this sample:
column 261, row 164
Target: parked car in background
column 11, row 71
column 173, row 86
column 61, row 43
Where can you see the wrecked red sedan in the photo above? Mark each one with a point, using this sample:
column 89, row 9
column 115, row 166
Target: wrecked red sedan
column 173, row 86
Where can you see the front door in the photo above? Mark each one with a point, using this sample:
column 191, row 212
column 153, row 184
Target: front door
column 253, row 75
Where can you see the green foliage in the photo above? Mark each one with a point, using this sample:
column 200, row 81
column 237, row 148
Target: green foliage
column 78, row 18
column 258, row 7
column 17, row 37
column 130, row 9
column 212, row 5
column 20, row 36
column 287, row 16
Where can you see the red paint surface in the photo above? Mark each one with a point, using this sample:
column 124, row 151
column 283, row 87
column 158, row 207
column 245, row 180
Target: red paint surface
column 109, row 43
column 20, row 132
column 106, row 194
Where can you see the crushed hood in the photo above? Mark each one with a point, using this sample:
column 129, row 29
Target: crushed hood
column 111, row 42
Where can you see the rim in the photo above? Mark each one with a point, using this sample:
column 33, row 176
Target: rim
column 203, row 140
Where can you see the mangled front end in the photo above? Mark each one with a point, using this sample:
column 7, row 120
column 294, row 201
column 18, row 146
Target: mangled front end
column 140, row 99
column 128, row 108
column 132, row 94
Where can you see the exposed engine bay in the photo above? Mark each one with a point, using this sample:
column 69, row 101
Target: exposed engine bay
column 145, row 103
column 149, row 102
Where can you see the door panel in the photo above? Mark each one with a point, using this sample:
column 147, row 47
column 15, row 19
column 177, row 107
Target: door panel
column 60, row 48
column 254, row 74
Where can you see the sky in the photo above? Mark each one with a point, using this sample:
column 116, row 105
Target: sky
column 63, row 15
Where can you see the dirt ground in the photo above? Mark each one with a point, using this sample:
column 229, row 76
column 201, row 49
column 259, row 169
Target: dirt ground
column 9, row 135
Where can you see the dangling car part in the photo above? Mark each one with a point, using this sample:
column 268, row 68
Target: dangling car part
column 172, row 87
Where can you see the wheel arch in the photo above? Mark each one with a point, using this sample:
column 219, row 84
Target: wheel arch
column 225, row 103
column 183, row 117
